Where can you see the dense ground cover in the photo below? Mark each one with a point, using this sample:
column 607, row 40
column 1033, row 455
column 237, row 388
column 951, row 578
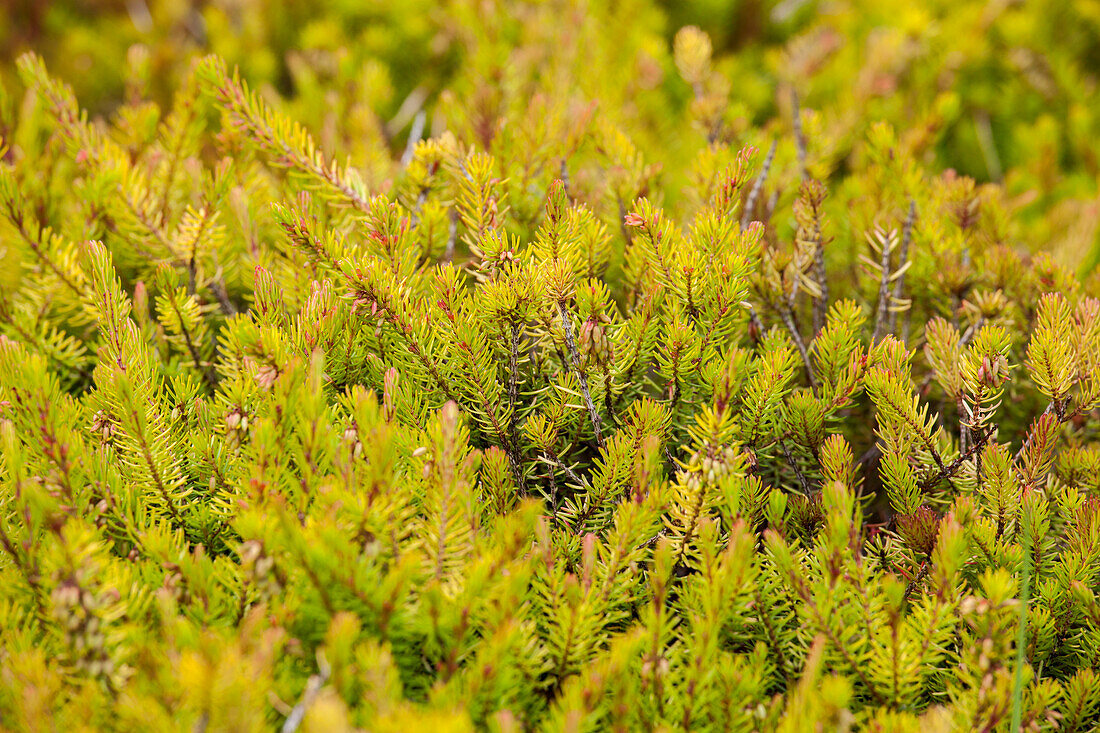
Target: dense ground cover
column 549, row 366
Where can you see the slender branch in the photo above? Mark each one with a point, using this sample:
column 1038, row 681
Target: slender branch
column 651, row 540
column 411, row 106
column 404, row 329
column 806, row 488
column 217, row 287
column 207, row 217
column 553, row 460
column 883, row 291
column 207, row 368
column 949, row 470
column 1058, row 407
column 754, row 319
column 799, row 138
column 921, row 575
column 773, row 201
column 978, row 463
column 964, row 430
column 1021, row 627
column 35, row 243
column 6, row 316
column 971, row 332
column 916, row 425
column 627, row 236
column 415, row 134
column 787, row 315
column 822, row 621
column 513, row 377
column 903, row 256
column 821, row 303
column 513, row 399
column 574, row 358
column 757, row 187
column 564, row 176
column 313, row 686
column 154, row 472
column 276, row 138
column 150, row 225
column 504, row 433
column 553, row 493
column 452, row 235
column 421, row 198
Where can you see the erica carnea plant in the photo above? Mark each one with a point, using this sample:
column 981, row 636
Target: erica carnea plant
column 502, row 431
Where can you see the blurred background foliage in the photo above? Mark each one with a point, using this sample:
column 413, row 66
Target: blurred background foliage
column 1003, row 91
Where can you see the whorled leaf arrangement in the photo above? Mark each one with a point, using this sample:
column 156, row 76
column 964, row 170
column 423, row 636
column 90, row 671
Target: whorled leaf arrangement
column 507, row 443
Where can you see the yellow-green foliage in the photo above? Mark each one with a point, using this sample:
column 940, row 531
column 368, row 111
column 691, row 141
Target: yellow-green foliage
column 550, row 366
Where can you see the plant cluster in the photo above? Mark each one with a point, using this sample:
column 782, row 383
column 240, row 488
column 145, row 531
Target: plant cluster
column 506, row 432
column 1000, row 91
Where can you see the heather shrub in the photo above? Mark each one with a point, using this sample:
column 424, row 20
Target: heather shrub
column 490, row 419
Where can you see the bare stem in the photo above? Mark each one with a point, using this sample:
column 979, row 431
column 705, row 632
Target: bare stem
column 787, row 315
column 921, row 575
column 553, row 460
column 205, row 368
column 949, row 470
column 574, row 358
column 754, row 319
column 313, row 686
column 415, row 134
column 883, row 292
column 806, row 488
column 757, row 187
column 903, row 256
column 217, row 287
column 564, row 175
column 799, row 137
column 821, row 303
column 513, row 399
column 452, row 235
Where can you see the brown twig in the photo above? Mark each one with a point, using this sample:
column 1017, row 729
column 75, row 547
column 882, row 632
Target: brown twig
column 903, row 256
column 552, row 459
column 787, row 315
column 883, row 293
column 575, row 360
column 799, row 138
column 821, row 303
column 217, row 287
column 452, row 235
column 513, row 399
column 949, row 470
column 912, row 585
column 806, row 488
column 757, row 187
column 313, row 686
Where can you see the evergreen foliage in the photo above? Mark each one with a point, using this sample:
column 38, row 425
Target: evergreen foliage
column 507, row 429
